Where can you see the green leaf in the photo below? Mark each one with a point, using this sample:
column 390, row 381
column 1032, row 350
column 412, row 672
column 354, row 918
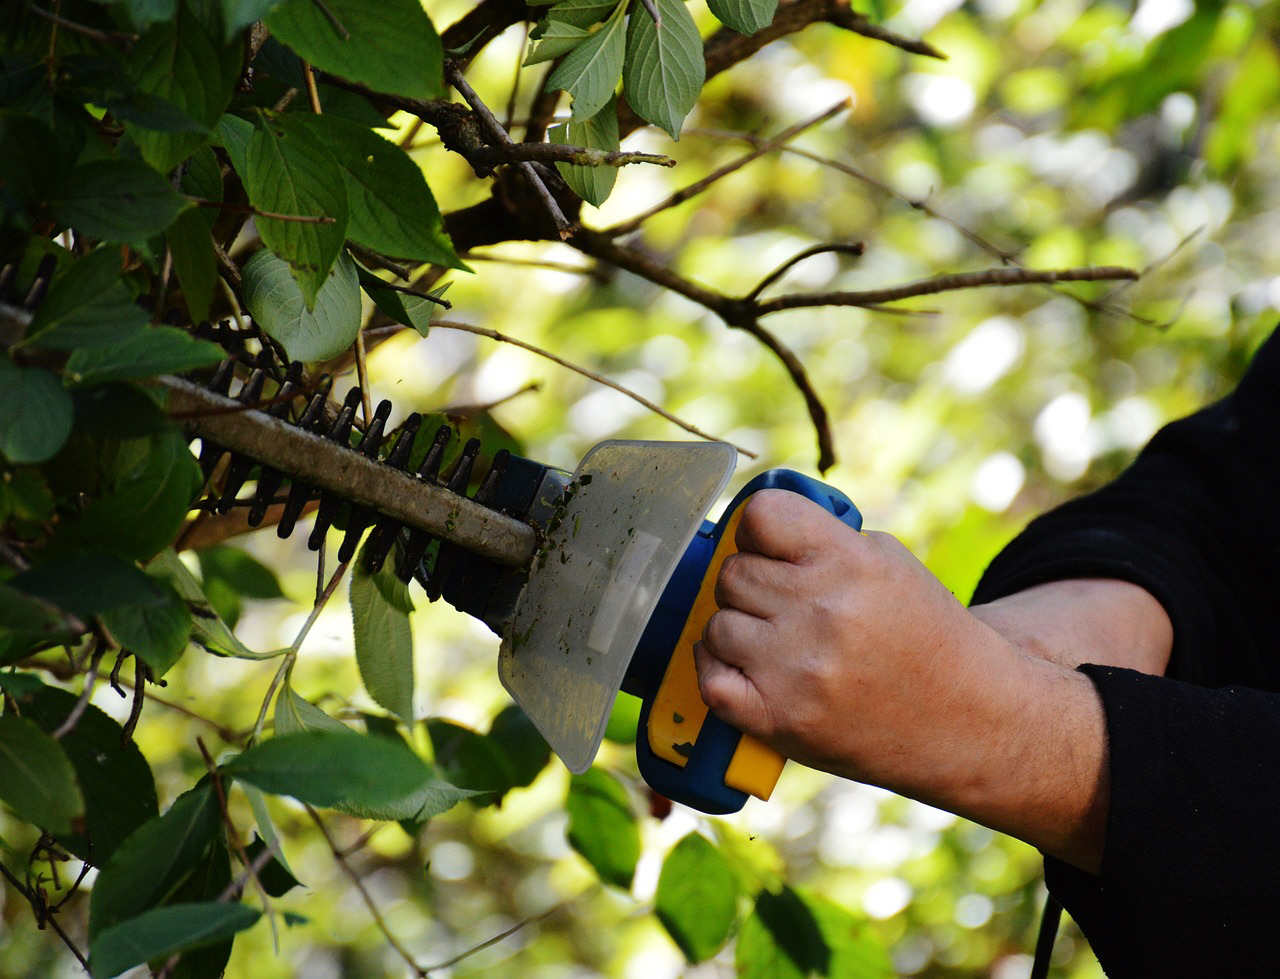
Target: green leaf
column 239, row 14
column 290, row 172
column 273, row 297
column 471, row 760
column 35, row 414
column 294, row 714
column 665, row 67
column 793, row 935
column 624, row 719
column 156, row 631
column 380, row 607
column 117, row 410
column 241, row 570
column 207, row 627
column 391, row 207
column 556, row 38
column 119, row 792
column 185, row 63
column 32, row 617
column 88, row 305
column 141, row 354
column 194, row 262
column 236, row 134
column 697, row 897
column 591, row 71
column 403, row 307
column 429, row 799
column 744, row 16
column 329, row 768
column 155, row 859
column 577, row 13
column 208, row 881
column 144, row 12
column 520, row 743
column 275, row 877
column 600, row 132
column 116, row 200
column 160, row 932
column 391, row 46
column 87, row 583
column 602, row 826
column 36, row 778
column 150, row 484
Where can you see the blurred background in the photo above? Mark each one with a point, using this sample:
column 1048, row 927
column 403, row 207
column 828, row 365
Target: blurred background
column 1054, row 134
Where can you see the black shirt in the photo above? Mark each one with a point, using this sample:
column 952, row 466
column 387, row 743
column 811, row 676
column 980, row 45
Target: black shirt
column 1190, row 879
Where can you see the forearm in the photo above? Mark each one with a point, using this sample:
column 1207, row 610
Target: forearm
column 1093, row 620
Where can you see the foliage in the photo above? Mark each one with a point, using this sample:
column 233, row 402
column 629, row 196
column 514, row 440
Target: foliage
column 187, row 179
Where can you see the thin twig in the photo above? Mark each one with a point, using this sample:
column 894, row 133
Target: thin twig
column 362, row 378
column 369, row 903
column 698, row 186
column 843, row 247
column 91, row 678
column 332, row 18
column 42, row 915
column 507, row 933
column 483, row 331
column 118, row 39
column 590, row 271
column 259, row 213
column 313, row 93
column 944, row 283
column 135, row 709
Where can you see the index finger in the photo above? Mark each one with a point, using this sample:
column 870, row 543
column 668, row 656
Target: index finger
column 784, row 526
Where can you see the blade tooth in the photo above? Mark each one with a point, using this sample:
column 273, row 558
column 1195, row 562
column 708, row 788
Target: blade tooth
column 464, row 580
column 220, row 383
column 241, row 465
column 448, row 555
column 339, row 432
column 40, row 284
column 383, row 537
column 314, row 410
column 6, row 277
column 430, row 467
column 360, row 517
column 300, row 495
column 371, row 441
column 269, row 479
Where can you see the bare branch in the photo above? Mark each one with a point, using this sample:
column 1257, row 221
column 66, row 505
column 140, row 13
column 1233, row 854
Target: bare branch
column 698, row 186
column 577, row 369
column 944, row 283
column 843, row 247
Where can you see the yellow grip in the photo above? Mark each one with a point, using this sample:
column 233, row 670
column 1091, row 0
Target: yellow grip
column 677, row 714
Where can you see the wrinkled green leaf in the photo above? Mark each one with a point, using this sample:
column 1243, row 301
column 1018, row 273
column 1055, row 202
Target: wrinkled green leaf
column 392, row 209
column 36, row 778
column 697, row 897
column 160, row 932
column 744, row 16
column 119, row 792
column 591, row 71
column 294, row 714
column 185, row 63
column 600, row 132
column 116, row 200
column 328, row 768
column 665, row 67
column 391, row 45
column 155, row 859
column 602, row 826
column 141, row 354
column 556, row 38
column 430, row 798
column 291, row 172
column 88, row 305
column 35, row 413
column 577, row 13
column 380, row 607
column 278, row 306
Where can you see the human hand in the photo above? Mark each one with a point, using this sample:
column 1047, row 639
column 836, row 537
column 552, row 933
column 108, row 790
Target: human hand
column 843, row 652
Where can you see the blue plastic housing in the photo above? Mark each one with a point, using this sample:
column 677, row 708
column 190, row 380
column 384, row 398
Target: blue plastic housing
column 700, row 783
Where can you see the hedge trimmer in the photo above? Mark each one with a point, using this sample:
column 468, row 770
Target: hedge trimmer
column 597, row 581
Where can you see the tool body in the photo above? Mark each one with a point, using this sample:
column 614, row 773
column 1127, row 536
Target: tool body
column 615, row 595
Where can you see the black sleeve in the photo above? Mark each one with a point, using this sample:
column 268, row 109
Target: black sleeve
column 1192, row 860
